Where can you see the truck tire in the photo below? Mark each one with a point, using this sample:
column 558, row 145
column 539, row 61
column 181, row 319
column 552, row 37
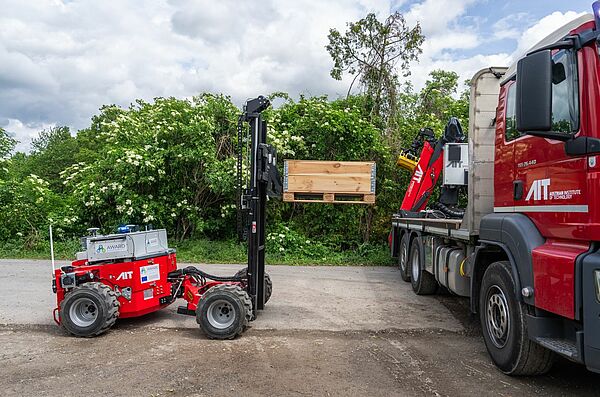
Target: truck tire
column 89, row 310
column 224, row 311
column 268, row 283
column 504, row 325
column 423, row 283
column 403, row 262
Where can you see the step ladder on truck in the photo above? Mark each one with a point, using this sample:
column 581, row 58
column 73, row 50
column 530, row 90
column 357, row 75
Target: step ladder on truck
column 526, row 246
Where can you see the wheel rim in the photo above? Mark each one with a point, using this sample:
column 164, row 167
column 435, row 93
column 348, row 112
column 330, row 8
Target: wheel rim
column 220, row 314
column 83, row 312
column 497, row 317
column 415, row 266
column 403, row 255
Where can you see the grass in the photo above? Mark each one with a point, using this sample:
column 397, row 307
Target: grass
column 208, row 251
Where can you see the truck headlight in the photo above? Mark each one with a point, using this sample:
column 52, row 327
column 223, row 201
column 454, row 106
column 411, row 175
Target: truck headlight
column 597, row 278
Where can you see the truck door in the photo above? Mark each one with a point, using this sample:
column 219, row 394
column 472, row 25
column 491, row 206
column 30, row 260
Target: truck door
column 554, row 193
column 553, row 183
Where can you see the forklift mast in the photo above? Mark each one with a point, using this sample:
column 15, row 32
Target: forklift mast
column 262, row 180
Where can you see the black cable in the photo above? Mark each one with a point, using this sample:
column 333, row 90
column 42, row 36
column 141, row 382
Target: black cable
column 194, row 271
column 459, row 213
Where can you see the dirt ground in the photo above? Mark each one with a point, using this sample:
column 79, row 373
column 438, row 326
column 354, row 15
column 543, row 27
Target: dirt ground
column 326, row 332
column 134, row 360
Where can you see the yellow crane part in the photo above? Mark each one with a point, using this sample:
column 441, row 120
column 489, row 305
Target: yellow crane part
column 407, row 160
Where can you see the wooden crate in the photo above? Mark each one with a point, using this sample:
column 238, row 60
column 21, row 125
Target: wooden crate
column 339, row 182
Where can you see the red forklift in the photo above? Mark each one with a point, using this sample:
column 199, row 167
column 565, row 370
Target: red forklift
column 525, row 245
column 133, row 273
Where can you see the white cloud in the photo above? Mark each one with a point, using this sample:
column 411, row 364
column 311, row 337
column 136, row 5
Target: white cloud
column 24, row 133
column 62, row 60
column 445, row 36
column 543, row 28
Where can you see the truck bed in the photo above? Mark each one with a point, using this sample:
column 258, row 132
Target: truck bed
column 440, row 227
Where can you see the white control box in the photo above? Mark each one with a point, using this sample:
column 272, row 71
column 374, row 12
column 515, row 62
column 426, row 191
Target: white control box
column 456, row 164
column 135, row 245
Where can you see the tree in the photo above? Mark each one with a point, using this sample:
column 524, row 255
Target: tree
column 7, row 144
column 370, row 51
column 51, row 152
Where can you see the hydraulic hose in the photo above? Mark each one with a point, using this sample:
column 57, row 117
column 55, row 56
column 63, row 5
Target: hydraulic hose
column 459, row 213
column 195, row 271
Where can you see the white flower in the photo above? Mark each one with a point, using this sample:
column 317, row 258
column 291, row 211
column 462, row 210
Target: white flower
column 130, row 211
column 173, row 214
column 19, row 234
column 127, row 202
column 281, row 249
column 281, row 235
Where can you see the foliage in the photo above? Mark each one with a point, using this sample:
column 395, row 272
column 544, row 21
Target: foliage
column 168, row 163
column 171, row 163
column 52, row 151
column 7, row 144
column 370, row 50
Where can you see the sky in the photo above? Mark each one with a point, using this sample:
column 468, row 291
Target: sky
column 61, row 60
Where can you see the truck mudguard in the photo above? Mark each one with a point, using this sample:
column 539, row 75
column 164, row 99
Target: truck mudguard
column 518, row 236
column 590, row 264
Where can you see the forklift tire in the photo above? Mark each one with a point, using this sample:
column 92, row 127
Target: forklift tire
column 268, row 283
column 224, row 311
column 89, row 310
column 423, row 282
column 403, row 262
column 504, row 325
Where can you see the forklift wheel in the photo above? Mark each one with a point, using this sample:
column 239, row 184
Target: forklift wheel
column 89, row 310
column 224, row 311
column 268, row 283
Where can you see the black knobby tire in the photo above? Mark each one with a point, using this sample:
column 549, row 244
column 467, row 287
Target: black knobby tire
column 268, row 283
column 504, row 325
column 224, row 311
column 423, row 283
column 89, row 310
column 403, row 262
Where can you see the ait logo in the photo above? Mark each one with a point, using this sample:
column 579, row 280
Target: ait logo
column 538, row 190
column 125, row 276
column 100, row 249
column 418, row 174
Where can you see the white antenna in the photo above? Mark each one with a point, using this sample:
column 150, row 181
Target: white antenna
column 52, row 249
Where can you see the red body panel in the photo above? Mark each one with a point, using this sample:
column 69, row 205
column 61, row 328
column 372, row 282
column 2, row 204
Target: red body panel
column 147, row 275
column 423, row 179
column 554, row 281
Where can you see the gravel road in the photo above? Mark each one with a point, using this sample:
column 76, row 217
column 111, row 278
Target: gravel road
column 348, row 331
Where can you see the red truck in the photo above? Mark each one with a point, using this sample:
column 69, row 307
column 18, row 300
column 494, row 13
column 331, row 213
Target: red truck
column 526, row 246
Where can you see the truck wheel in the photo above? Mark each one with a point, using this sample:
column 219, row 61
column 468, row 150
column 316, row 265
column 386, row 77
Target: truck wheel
column 89, row 310
column 268, row 283
column 423, row 283
column 224, row 311
column 403, row 262
column 505, row 327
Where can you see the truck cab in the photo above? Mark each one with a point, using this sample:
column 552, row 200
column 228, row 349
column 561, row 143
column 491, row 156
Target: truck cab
column 546, row 185
column 526, row 247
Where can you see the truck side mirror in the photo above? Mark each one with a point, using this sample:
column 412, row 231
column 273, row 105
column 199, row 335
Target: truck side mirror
column 534, row 93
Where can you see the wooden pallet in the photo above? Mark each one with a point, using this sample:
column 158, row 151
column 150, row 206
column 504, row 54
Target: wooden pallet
column 331, row 198
column 337, row 182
